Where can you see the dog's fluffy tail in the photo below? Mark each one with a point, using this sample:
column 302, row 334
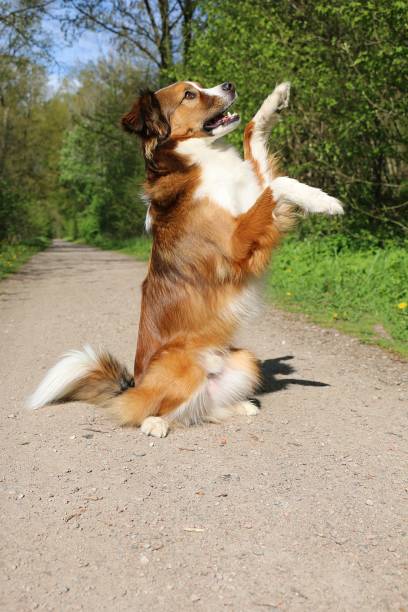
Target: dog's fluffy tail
column 91, row 376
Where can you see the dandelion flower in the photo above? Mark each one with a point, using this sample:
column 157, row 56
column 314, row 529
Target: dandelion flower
column 402, row 305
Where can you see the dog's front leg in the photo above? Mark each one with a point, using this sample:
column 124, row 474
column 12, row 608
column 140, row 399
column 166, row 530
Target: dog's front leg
column 284, row 189
column 257, row 133
column 256, row 233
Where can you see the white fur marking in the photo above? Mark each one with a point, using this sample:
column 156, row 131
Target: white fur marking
column 61, row 379
column 309, row 198
column 263, row 121
column 275, row 102
column 155, row 426
column 226, row 179
column 214, row 91
column 231, row 386
column 216, row 399
column 148, row 221
column 213, row 362
column 246, row 408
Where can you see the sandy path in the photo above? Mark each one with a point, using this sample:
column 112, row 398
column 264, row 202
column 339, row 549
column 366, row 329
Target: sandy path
column 303, row 507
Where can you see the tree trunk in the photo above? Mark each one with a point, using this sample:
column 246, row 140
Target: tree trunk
column 4, row 137
column 188, row 12
column 166, row 43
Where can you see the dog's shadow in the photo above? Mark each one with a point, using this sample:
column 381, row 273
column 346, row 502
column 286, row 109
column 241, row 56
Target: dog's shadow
column 271, row 367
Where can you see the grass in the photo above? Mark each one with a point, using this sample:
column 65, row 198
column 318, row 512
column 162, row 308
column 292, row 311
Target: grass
column 139, row 247
column 362, row 292
column 13, row 256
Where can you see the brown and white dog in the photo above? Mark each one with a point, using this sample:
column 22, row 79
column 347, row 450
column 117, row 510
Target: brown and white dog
column 215, row 219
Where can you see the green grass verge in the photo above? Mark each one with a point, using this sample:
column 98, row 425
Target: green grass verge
column 139, row 247
column 361, row 292
column 13, row 256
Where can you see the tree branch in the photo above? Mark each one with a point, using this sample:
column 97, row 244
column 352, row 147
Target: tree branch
column 152, row 20
column 118, row 31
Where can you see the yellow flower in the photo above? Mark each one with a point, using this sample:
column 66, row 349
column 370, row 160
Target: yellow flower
column 289, row 293
column 402, row 305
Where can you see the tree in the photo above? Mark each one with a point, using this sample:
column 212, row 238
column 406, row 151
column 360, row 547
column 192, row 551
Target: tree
column 347, row 62
column 101, row 168
column 156, row 31
column 31, row 129
column 21, row 32
column 23, row 44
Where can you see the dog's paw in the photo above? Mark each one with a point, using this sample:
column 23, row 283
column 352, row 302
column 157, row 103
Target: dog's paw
column 281, row 95
column 155, row 426
column 310, row 199
column 327, row 205
column 274, row 103
column 247, row 408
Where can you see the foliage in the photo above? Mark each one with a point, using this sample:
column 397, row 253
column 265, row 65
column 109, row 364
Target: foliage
column 139, row 247
column 347, row 61
column 21, row 31
column 30, row 138
column 12, row 256
column 101, row 168
column 158, row 31
column 358, row 289
column 65, row 166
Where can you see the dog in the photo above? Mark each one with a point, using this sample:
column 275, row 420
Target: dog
column 215, row 218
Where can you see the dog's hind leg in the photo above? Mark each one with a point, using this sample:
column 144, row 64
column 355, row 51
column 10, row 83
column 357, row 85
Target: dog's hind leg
column 170, row 381
column 230, row 389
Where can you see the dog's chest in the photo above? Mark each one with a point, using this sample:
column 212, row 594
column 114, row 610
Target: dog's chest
column 226, row 179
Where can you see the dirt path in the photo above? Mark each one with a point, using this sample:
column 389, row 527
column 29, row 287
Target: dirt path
column 303, row 507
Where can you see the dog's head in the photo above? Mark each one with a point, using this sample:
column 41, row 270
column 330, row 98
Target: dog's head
column 180, row 111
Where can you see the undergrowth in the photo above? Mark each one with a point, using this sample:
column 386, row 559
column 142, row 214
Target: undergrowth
column 360, row 291
column 12, row 256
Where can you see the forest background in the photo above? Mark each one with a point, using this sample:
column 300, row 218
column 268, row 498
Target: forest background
column 67, row 170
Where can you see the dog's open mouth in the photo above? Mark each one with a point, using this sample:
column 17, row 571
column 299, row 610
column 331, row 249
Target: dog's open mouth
column 225, row 118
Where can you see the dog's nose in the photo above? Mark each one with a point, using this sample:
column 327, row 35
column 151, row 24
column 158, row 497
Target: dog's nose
column 227, row 86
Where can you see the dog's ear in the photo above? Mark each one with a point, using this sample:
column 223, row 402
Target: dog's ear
column 146, row 119
column 132, row 122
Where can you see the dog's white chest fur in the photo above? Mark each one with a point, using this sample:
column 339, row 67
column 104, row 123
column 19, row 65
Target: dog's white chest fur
column 226, row 179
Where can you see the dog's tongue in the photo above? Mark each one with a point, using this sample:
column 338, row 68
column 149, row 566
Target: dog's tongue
column 221, row 119
column 215, row 121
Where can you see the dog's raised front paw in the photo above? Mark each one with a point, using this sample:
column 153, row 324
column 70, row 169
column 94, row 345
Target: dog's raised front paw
column 308, row 198
column 327, row 204
column 273, row 104
column 282, row 94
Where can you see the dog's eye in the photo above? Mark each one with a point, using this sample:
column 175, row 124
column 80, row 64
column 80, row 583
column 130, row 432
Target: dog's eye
column 190, row 95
